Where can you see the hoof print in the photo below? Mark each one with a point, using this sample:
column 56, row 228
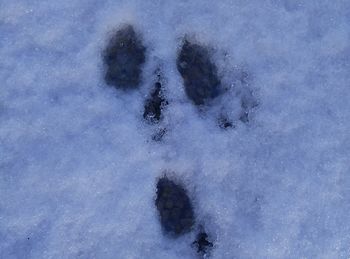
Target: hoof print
column 174, row 207
column 154, row 105
column 202, row 243
column 199, row 73
column 123, row 59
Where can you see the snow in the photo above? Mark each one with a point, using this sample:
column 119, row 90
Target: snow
column 78, row 168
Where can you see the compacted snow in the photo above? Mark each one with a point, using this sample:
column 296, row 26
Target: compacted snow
column 79, row 164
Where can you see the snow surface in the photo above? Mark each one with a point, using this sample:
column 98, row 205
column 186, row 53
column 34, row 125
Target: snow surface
column 78, row 166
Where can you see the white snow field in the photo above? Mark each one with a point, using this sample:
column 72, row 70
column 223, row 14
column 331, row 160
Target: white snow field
column 78, row 167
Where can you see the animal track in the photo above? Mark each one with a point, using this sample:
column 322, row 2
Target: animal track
column 124, row 58
column 224, row 122
column 202, row 243
column 154, row 104
column 174, row 206
column 198, row 72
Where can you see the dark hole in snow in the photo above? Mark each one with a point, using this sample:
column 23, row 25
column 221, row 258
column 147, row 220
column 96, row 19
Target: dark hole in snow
column 123, row 58
column 174, row 207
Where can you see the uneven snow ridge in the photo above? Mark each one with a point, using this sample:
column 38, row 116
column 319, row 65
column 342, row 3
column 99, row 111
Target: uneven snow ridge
column 174, row 129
